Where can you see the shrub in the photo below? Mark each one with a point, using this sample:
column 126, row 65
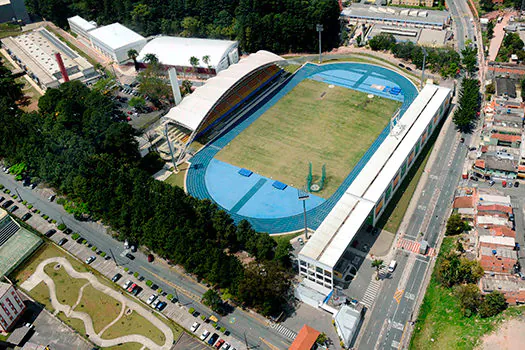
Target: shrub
column 136, row 274
column 75, row 236
column 94, row 248
column 169, row 296
column 203, row 317
column 214, row 325
column 45, row 217
column 38, row 210
column 62, row 227
column 15, row 196
column 159, row 290
column 103, row 254
column 223, row 329
column 30, row 206
column 191, row 310
column 126, row 269
column 24, row 202
column 54, row 221
column 149, row 283
column 61, row 201
column 2, row 186
column 84, row 241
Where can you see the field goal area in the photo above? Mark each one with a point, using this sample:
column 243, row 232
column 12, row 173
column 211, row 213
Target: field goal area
column 314, row 123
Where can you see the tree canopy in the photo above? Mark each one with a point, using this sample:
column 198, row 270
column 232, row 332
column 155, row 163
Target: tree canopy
column 279, row 26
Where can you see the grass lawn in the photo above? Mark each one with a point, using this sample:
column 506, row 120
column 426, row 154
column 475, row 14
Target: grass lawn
column 441, row 318
column 7, row 29
column 313, row 123
column 102, row 308
column 67, row 287
column 74, row 323
column 127, row 346
column 178, row 179
column 287, row 238
column 128, row 325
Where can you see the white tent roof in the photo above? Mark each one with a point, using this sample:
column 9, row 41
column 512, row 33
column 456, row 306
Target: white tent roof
column 82, row 23
column 339, row 228
column 177, row 51
column 194, row 107
column 116, row 35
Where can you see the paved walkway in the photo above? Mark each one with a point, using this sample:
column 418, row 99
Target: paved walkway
column 39, row 275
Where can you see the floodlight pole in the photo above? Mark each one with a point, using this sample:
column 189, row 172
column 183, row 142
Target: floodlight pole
column 319, row 28
column 303, row 196
column 423, row 70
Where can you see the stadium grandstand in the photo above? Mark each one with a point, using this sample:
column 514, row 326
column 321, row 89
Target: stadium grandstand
column 321, row 262
column 211, row 107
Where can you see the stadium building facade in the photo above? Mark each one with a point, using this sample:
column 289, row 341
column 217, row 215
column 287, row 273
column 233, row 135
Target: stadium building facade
column 366, row 198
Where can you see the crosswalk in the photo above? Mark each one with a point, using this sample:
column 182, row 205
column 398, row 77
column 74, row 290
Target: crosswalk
column 413, row 246
column 371, row 292
column 283, row 330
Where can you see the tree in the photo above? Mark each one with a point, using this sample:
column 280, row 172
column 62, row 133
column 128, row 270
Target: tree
column 456, row 225
column 133, row 54
column 490, row 89
column 382, row 42
column 486, row 5
column 492, row 304
column 186, row 87
column 469, row 297
column 377, row 264
column 137, row 102
column 194, row 62
column 151, row 58
column 212, row 299
column 469, row 59
column 453, row 269
column 206, row 59
column 322, row 338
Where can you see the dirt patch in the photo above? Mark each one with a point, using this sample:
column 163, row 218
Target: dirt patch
column 509, row 336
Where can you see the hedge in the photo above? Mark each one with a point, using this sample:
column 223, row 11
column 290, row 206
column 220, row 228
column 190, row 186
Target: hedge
column 126, row 269
column 149, row 283
column 14, row 196
column 2, row 186
column 54, row 221
column 45, row 217
column 75, row 236
column 24, row 202
column 169, row 296
column 203, row 317
column 94, row 248
column 223, row 329
column 30, row 206
column 84, row 241
column 136, row 274
column 62, row 227
column 103, row 254
column 159, row 290
column 191, row 310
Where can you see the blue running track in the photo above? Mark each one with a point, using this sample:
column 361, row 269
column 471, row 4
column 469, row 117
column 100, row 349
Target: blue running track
column 253, row 198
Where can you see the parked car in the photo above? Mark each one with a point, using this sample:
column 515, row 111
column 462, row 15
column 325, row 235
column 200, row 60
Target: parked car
column 62, row 242
column 151, row 298
column 50, row 233
column 462, row 140
column 90, row 259
column 130, row 257
column 150, row 258
column 33, row 186
column 133, row 248
column 126, row 284
column 13, row 208
column 7, row 204
column 155, row 303
column 473, row 178
column 205, row 335
column 80, row 239
column 194, row 326
column 52, row 197
column 130, row 288
column 492, row 182
column 68, row 231
column 26, row 216
column 160, row 306
column 516, row 184
column 116, row 277
column 2, row 199
column 510, row 184
column 213, row 339
column 136, row 290
column 300, row 240
column 219, row 344
column 225, row 346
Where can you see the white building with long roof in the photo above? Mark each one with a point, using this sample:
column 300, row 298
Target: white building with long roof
column 115, row 40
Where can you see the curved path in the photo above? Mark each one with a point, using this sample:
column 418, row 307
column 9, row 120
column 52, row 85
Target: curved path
column 39, row 275
column 196, row 181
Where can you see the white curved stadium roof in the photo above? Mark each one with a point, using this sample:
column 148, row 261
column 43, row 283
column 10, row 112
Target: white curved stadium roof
column 177, row 51
column 194, row 107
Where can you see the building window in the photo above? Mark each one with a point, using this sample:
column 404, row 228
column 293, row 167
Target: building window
column 327, row 273
column 318, row 269
column 303, row 269
column 302, row 262
column 320, row 276
column 328, row 280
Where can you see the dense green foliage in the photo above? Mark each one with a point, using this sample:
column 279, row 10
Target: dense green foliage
column 470, row 59
column 276, row 25
column 469, row 105
column 453, row 269
column 456, row 225
column 444, row 61
column 73, row 145
column 492, row 304
column 512, row 44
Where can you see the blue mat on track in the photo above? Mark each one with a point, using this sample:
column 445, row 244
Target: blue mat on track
column 245, row 172
column 279, row 185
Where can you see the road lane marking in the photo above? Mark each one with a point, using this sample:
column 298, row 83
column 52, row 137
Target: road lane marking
column 398, row 295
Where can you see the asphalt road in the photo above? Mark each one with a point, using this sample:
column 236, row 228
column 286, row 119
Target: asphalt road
column 461, row 16
column 189, row 292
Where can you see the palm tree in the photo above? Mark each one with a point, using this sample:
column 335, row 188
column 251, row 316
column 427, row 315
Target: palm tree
column 194, row 61
column 206, row 59
column 151, row 58
column 133, row 54
column 377, row 264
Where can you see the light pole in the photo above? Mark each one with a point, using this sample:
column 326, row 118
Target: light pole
column 303, row 196
column 423, row 69
column 319, row 29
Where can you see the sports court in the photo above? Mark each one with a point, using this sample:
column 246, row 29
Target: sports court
column 258, row 174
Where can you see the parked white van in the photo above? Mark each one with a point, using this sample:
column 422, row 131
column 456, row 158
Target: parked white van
column 392, row 266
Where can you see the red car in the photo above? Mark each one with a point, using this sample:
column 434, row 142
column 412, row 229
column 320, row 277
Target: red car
column 133, row 286
column 219, row 343
column 150, row 258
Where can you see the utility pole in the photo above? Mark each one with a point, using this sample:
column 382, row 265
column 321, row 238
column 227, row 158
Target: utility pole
column 319, row 29
column 113, row 256
column 423, row 69
column 19, row 196
column 303, row 196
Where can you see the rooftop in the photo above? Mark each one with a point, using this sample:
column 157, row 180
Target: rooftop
column 116, row 35
column 506, row 87
column 82, row 23
column 506, row 137
column 495, row 207
column 305, row 339
column 398, row 14
column 195, row 107
column 347, row 320
column 4, row 287
column 464, row 202
column 177, row 51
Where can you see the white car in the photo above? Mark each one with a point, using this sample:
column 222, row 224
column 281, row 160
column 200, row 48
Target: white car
column 126, row 284
column 194, row 326
column 155, row 303
column 205, row 335
column 151, row 299
column 225, row 346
